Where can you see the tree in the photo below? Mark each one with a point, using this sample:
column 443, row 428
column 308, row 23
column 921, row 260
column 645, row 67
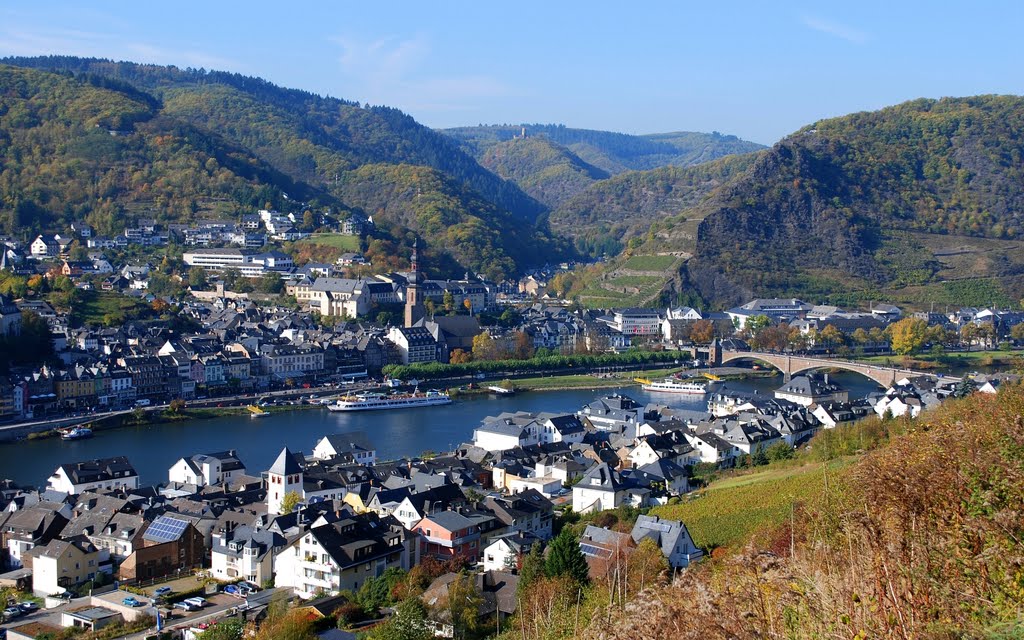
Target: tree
column 908, row 335
column 409, row 622
column 860, row 336
column 532, row 569
column 779, row 451
column 229, row 629
column 1017, row 332
column 458, row 356
column 965, row 387
column 702, row 331
column 448, row 300
column 969, row 333
column 832, row 336
column 755, row 323
column 523, row 346
column 287, row 625
column 484, row 347
column 270, row 282
column 290, row 501
column 468, row 304
column 566, row 559
column 462, row 605
column 308, row 221
column 177, row 405
column 197, row 278
column 78, row 253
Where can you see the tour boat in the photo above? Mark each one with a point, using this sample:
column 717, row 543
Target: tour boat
column 76, row 433
column 672, row 385
column 376, row 401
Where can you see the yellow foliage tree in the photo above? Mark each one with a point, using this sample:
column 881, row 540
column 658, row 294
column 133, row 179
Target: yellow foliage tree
column 908, row 335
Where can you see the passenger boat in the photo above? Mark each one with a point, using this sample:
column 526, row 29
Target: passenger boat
column 378, row 401
column 75, row 433
column 672, row 385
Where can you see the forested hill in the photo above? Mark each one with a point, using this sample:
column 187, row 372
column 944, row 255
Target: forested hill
column 283, row 141
column 74, row 149
column 612, row 152
column 608, row 214
column 908, row 196
column 547, row 171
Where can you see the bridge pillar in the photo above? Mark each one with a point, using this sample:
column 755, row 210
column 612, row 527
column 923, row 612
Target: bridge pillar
column 787, row 371
column 715, row 355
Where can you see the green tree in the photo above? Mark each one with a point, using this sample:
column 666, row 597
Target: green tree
column 531, row 570
column 1017, row 332
column 78, row 253
column 270, row 282
column 448, row 300
column 197, row 278
column 230, row 629
column 308, row 220
column 756, row 323
column 908, row 335
column 462, row 605
column 779, row 451
column 566, row 559
column 409, row 622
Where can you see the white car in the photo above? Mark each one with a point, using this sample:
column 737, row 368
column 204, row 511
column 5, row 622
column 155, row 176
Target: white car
column 198, row 603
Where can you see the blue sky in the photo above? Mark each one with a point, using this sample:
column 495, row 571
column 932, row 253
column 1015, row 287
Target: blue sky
column 759, row 70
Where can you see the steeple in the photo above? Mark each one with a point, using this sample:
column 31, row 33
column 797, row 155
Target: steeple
column 413, row 304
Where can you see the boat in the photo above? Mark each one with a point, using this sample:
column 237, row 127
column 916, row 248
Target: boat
column 76, row 433
column 501, row 391
column 672, row 385
column 257, row 412
column 378, row 401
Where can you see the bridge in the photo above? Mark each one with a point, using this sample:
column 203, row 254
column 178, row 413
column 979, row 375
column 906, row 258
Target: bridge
column 791, row 365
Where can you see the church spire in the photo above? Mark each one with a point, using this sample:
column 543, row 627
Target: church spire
column 415, row 259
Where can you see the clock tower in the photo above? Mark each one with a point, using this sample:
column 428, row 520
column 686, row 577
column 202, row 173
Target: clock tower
column 413, row 304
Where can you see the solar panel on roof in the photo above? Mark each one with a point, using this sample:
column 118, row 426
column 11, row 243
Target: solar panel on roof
column 592, row 551
column 165, row 529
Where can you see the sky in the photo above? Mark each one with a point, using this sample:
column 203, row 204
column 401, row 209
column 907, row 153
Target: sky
column 759, row 70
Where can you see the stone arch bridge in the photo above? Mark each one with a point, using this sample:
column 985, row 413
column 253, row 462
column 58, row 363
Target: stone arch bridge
column 791, row 365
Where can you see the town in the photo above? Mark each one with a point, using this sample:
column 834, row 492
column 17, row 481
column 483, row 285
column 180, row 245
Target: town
column 219, row 539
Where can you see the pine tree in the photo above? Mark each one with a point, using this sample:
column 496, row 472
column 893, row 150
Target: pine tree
column 566, row 559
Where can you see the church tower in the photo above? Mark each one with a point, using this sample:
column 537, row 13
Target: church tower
column 413, row 304
column 283, row 477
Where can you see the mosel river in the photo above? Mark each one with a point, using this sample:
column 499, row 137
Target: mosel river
column 408, row 432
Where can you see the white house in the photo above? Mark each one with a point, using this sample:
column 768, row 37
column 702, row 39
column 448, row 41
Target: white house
column 104, row 473
column 340, row 555
column 207, row 468
column 504, row 552
column 672, row 538
column 336, row 445
column 521, row 429
column 65, row 563
column 599, row 489
column 245, row 553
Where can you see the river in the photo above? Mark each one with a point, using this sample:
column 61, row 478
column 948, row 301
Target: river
column 152, row 449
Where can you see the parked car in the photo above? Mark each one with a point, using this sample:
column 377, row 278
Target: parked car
column 132, row 601
column 251, row 586
column 162, row 591
column 12, row 612
column 231, row 589
column 198, row 603
column 185, row 605
column 28, row 606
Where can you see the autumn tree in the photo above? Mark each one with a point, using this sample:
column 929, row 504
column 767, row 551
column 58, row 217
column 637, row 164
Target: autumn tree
column 969, row 334
column 702, row 331
column 522, row 346
column 459, row 356
column 290, row 501
column 484, row 347
column 908, row 335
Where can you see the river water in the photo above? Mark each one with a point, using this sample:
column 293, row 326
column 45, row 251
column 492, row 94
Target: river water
column 152, row 449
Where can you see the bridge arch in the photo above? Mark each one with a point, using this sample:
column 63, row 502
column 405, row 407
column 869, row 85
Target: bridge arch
column 791, row 365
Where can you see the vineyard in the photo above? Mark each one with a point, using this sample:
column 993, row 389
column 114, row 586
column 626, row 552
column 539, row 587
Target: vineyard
column 730, row 510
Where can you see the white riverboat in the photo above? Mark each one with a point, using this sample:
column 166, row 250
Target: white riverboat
column 673, row 385
column 380, row 401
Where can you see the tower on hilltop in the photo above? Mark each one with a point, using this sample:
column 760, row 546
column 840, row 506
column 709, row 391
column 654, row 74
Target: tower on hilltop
column 413, row 304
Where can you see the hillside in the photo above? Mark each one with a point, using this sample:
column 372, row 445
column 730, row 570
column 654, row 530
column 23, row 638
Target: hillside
column 920, row 538
column 609, row 213
column 315, row 148
column 612, row 152
column 74, row 148
column 547, row 171
column 849, row 204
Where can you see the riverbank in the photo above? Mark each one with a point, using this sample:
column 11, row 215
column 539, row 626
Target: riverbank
column 957, row 359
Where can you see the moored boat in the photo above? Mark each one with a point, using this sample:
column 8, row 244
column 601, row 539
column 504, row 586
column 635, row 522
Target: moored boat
column 673, row 385
column 379, row 401
column 76, row 433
